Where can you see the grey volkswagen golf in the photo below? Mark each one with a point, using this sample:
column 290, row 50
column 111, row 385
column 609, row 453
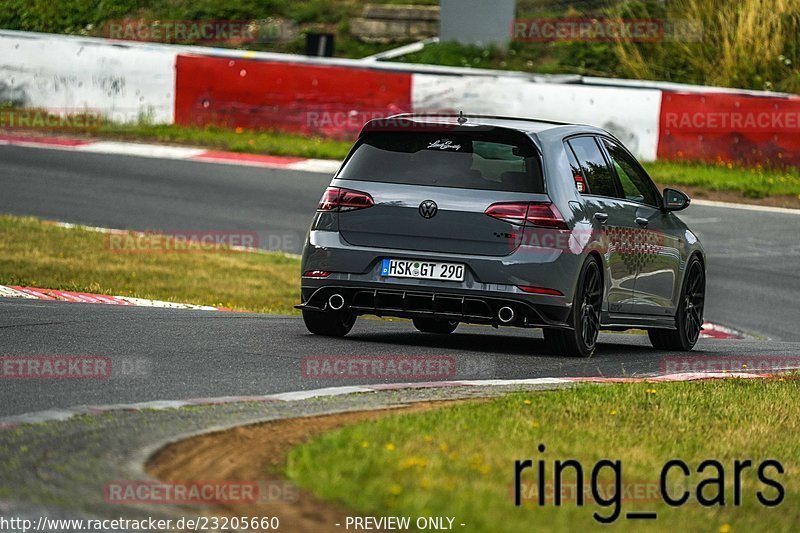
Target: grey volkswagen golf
column 502, row 221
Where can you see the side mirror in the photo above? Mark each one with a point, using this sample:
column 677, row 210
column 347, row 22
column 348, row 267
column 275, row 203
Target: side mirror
column 675, row 200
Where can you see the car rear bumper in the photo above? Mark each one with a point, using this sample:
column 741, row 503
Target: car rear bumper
column 490, row 283
column 469, row 306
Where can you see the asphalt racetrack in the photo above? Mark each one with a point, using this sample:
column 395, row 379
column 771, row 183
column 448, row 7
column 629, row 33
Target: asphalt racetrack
column 179, row 354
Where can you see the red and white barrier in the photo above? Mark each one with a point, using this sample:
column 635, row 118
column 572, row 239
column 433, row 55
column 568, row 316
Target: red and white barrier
column 334, row 97
column 303, row 98
column 730, row 127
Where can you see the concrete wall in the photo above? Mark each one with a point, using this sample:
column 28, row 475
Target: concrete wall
column 391, row 23
column 68, row 75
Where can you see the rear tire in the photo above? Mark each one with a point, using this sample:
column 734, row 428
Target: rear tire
column 329, row 324
column 581, row 339
column 432, row 325
column 689, row 318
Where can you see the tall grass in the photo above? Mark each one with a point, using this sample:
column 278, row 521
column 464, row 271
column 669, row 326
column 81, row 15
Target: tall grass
column 751, row 44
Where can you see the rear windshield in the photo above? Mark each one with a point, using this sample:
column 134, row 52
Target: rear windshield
column 481, row 160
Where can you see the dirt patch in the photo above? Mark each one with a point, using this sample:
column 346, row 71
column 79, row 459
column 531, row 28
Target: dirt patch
column 258, row 452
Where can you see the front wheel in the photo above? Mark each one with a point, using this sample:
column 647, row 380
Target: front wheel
column 689, row 318
column 581, row 340
column 330, row 323
column 431, row 325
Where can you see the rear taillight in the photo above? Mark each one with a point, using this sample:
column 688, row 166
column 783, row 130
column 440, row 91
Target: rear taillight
column 540, row 214
column 329, row 200
column 509, row 212
column 338, row 199
column 316, row 274
column 539, row 290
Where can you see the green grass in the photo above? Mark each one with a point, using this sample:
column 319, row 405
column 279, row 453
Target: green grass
column 750, row 182
column 459, row 461
column 36, row 254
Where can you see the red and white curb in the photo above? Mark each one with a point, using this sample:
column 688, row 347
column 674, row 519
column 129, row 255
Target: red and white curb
column 710, row 330
column 158, row 151
column 53, row 415
column 34, row 293
column 716, row 331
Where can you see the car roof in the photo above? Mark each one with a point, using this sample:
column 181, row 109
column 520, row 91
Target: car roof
column 525, row 125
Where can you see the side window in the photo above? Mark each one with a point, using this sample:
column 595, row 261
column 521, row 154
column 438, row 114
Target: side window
column 636, row 186
column 576, row 172
column 594, row 167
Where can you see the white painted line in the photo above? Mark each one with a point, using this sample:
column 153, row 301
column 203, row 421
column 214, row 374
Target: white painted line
column 325, row 166
column 689, row 376
column 140, row 150
column 143, row 302
column 51, row 415
column 155, row 405
column 64, row 414
column 239, row 162
column 70, row 225
column 531, row 381
column 748, row 207
column 38, row 144
column 318, row 393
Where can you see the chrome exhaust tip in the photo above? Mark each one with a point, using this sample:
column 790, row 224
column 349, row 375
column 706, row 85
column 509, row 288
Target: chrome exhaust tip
column 506, row 315
column 336, row 301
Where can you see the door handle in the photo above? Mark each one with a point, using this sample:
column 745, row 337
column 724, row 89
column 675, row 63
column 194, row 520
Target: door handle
column 643, row 222
column 601, row 217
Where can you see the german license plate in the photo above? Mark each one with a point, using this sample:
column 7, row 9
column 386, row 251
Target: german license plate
column 410, row 268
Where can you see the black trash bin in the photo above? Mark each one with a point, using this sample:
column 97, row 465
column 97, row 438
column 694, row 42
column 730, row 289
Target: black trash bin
column 319, row 44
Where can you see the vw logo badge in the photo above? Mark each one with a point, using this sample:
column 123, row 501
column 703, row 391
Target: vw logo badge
column 428, row 209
